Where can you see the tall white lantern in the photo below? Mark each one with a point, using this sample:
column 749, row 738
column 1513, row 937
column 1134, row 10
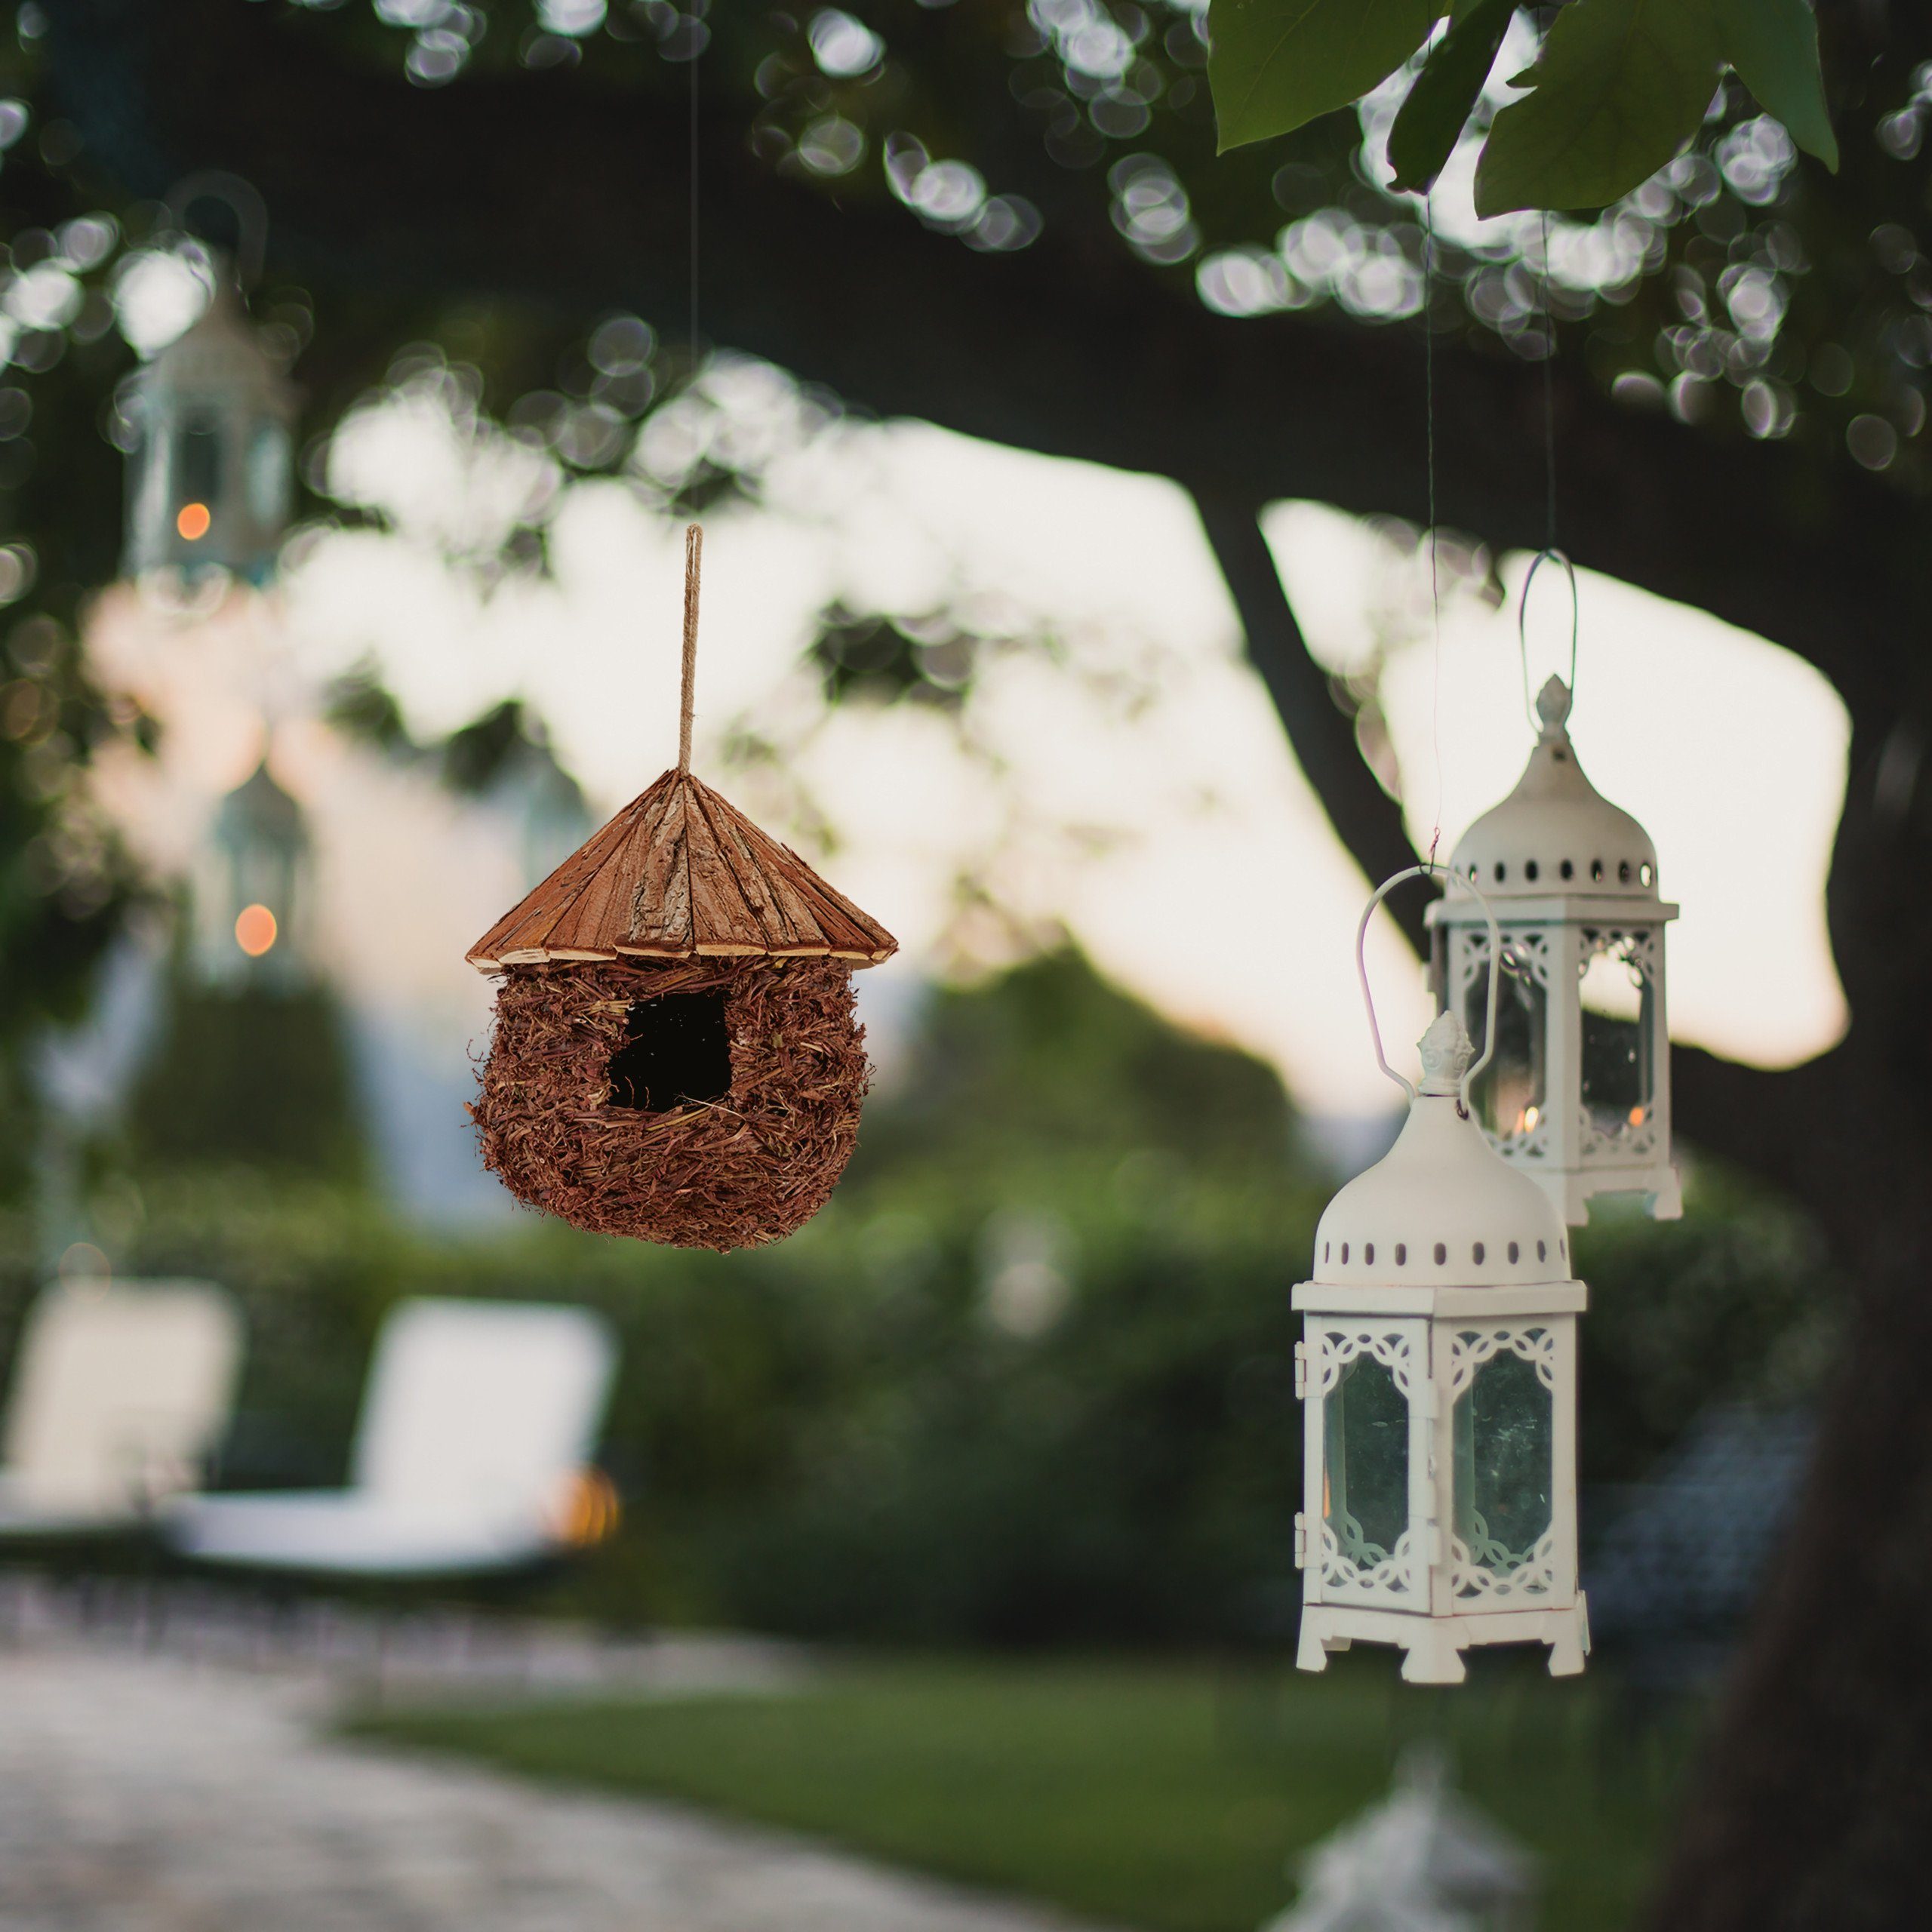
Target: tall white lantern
column 1438, row 1367
column 210, row 480
column 1576, row 1092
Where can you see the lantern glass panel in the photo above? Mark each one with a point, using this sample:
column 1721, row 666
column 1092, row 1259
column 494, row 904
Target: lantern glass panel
column 1619, row 1020
column 1504, row 1447
column 268, row 475
column 1509, row 1094
column 1365, row 1468
column 197, row 460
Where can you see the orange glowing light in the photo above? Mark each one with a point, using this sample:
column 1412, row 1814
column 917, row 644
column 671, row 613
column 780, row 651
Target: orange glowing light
column 589, row 1511
column 1636, row 1116
column 193, row 521
column 254, row 931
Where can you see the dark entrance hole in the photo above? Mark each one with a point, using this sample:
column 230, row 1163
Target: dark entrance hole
column 676, row 1049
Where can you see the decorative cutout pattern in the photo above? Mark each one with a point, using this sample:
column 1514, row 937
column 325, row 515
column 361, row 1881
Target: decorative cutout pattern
column 1470, row 1348
column 1339, row 1346
column 1489, row 1574
column 1371, row 1574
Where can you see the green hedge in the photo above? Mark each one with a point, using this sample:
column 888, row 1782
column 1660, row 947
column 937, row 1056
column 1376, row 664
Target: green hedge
column 1027, row 1379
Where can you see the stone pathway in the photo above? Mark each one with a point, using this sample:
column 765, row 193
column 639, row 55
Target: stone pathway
column 150, row 1791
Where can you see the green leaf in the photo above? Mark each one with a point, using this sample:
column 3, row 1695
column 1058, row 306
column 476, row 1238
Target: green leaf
column 1438, row 108
column 1276, row 65
column 1773, row 45
column 1619, row 88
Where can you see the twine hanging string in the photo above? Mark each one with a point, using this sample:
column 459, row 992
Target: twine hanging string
column 694, row 565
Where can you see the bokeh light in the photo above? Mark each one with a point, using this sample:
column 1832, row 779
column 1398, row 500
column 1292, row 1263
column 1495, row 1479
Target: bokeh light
column 193, row 521
column 254, row 930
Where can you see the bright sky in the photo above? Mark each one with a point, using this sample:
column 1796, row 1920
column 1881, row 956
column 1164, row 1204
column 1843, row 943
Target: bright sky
column 1136, row 787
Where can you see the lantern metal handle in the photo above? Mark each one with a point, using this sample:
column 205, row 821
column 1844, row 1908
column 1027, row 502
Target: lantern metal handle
column 1541, row 557
column 243, row 199
column 1429, row 868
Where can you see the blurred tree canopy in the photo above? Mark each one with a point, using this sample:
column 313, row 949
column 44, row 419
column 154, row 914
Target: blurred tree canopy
column 1007, row 216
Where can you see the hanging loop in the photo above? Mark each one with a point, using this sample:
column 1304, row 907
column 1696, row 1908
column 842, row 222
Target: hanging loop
column 242, row 199
column 1551, row 555
column 1429, row 869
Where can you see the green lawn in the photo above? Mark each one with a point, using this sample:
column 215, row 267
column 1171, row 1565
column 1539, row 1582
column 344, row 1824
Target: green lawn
column 1167, row 1798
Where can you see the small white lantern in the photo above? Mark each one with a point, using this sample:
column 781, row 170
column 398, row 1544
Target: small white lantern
column 211, row 483
column 1576, row 1092
column 251, row 887
column 1438, row 1365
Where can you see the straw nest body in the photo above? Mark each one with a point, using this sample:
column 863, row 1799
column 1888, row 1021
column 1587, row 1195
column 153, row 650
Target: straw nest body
column 749, row 1168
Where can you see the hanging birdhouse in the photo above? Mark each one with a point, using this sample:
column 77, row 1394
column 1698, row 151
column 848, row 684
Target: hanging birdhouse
column 210, row 482
column 1576, row 1093
column 674, row 1055
column 1438, row 1365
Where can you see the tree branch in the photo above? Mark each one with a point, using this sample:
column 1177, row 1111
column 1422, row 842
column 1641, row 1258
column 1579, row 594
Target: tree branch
column 1765, row 1123
column 1366, row 819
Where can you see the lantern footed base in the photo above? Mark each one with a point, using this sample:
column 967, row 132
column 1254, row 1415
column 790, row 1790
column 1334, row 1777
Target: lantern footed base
column 1659, row 1187
column 1432, row 1647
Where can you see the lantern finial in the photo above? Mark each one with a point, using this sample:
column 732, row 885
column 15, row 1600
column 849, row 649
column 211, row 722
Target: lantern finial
column 1553, row 705
column 1447, row 1051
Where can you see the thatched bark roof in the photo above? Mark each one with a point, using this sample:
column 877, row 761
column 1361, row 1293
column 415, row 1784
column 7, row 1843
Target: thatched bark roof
column 680, row 874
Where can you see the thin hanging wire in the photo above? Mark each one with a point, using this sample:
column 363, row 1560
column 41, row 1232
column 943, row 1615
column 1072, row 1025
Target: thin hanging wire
column 698, row 49
column 1548, row 398
column 1434, row 584
column 1549, row 552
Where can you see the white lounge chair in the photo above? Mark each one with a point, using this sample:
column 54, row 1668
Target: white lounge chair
column 469, row 1458
column 118, row 1394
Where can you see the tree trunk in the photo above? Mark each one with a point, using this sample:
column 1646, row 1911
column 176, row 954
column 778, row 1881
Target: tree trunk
column 1813, row 1811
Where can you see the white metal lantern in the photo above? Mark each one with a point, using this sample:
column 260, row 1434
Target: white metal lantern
column 252, row 888
column 1576, row 1092
column 1438, row 1366
column 210, row 482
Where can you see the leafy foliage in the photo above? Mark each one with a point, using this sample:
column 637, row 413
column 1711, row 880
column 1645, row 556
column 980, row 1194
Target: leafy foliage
column 1275, row 64
column 1773, row 45
column 1620, row 86
column 1439, row 105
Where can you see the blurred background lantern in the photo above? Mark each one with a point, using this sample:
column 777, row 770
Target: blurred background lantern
column 251, row 889
column 210, row 480
column 1576, row 1093
column 1438, row 1365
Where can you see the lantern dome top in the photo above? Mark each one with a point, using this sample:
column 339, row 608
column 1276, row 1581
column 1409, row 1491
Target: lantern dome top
column 1556, row 832
column 680, row 873
column 259, row 809
column 219, row 354
column 1441, row 1208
